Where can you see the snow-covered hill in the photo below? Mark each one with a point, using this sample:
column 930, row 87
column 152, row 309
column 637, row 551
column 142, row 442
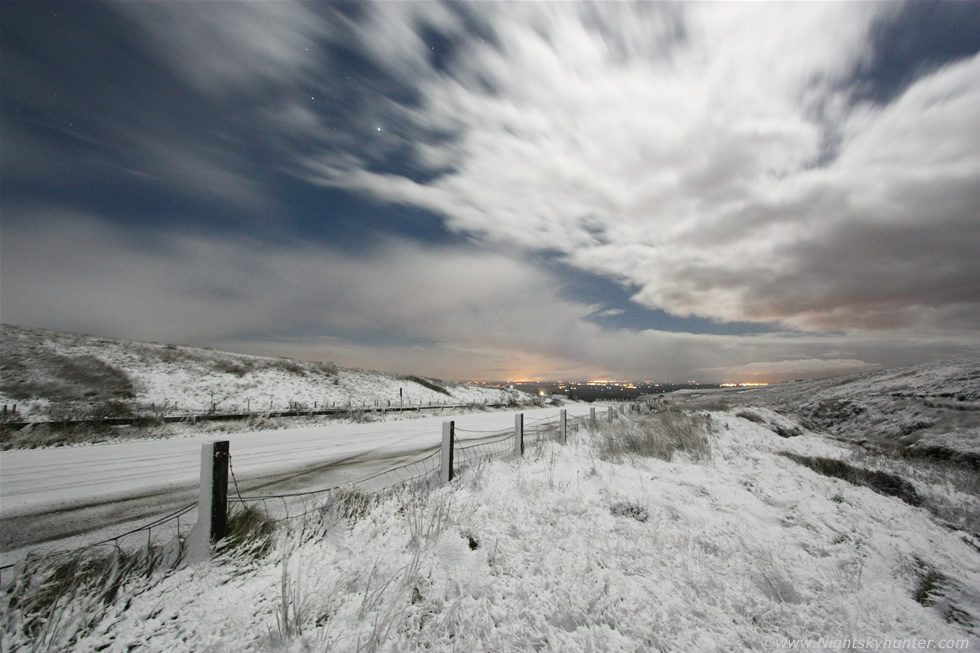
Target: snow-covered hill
column 60, row 375
column 930, row 410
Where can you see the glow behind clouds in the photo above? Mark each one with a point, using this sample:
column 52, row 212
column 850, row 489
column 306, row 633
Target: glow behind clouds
column 759, row 191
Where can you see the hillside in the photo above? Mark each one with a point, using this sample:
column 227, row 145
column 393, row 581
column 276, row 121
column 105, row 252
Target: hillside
column 52, row 375
column 705, row 534
column 925, row 411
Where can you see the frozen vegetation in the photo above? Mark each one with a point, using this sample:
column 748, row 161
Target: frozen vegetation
column 673, row 530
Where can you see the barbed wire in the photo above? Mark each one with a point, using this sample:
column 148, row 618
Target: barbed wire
column 115, row 540
column 462, row 430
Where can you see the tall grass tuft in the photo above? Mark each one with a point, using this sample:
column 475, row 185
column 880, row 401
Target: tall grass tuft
column 662, row 435
column 56, row 601
column 251, row 533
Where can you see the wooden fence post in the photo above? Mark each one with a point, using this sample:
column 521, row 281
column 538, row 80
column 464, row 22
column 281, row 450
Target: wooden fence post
column 610, row 411
column 592, row 418
column 563, row 426
column 448, row 443
column 212, row 504
column 518, row 434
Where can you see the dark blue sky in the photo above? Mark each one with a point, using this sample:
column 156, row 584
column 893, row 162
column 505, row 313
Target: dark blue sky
column 498, row 191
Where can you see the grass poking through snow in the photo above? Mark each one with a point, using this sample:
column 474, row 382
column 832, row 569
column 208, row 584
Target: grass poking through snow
column 666, row 532
column 659, row 435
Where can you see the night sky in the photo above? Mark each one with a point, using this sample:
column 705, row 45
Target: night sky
column 663, row 191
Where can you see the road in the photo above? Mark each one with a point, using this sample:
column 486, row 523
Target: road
column 49, row 495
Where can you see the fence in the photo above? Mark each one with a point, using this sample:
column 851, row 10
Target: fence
column 165, row 536
column 171, row 413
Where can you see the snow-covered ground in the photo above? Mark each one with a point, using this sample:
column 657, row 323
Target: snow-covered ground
column 565, row 551
column 930, row 410
column 52, row 374
column 74, row 490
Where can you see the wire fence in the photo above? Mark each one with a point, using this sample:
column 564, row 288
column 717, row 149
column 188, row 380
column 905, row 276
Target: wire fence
column 156, row 414
column 284, row 507
column 170, row 530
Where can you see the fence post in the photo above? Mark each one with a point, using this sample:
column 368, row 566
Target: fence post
column 448, row 444
column 592, row 418
column 518, row 434
column 212, row 504
column 563, row 426
column 610, row 411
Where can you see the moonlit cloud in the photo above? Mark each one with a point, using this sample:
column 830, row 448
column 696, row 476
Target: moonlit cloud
column 219, row 49
column 722, row 173
column 405, row 308
column 719, row 191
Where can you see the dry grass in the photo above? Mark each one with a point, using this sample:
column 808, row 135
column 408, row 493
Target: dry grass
column 55, row 601
column 42, row 374
column 879, row 481
column 661, row 435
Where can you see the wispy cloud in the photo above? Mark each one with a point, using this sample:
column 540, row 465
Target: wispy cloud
column 220, row 49
column 723, row 172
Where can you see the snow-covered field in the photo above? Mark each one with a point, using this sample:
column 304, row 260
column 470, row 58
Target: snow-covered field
column 48, row 374
column 564, row 550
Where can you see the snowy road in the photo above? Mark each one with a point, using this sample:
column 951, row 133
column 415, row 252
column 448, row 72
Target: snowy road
column 50, row 494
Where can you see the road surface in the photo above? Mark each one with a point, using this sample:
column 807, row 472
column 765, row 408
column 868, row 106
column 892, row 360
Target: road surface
column 49, row 495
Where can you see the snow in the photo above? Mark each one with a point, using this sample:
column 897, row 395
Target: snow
column 560, row 550
column 930, row 409
column 59, row 482
column 737, row 552
column 194, row 379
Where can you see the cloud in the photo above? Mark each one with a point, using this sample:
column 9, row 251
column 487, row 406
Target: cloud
column 452, row 312
column 710, row 158
column 220, row 49
column 787, row 370
column 717, row 161
column 609, row 312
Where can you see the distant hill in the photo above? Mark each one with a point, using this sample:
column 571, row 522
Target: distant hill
column 50, row 374
column 929, row 410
